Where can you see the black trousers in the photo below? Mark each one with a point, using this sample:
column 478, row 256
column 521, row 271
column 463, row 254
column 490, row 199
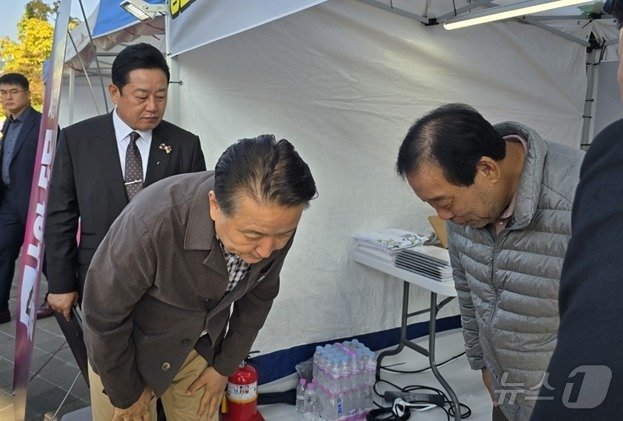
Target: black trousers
column 12, row 227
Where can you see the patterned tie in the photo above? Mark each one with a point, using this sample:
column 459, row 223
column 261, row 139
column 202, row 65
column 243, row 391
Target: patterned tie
column 133, row 168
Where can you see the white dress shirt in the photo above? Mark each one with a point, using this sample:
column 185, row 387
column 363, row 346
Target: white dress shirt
column 122, row 133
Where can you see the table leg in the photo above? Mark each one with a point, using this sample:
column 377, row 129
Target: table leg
column 403, row 331
column 431, row 356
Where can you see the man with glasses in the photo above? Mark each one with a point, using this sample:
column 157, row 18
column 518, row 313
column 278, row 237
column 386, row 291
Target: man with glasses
column 18, row 147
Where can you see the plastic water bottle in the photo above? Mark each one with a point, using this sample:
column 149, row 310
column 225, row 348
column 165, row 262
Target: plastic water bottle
column 300, row 396
column 310, row 401
column 343, row 377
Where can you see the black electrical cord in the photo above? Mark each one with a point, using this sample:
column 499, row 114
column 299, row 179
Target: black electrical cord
column 393, row 370
column 450, row 412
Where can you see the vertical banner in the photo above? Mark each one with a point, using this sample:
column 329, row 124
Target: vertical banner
column 32, row 249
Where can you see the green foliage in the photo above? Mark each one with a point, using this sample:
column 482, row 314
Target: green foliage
column 27, row 54
column 33, row 45
column 38, row 9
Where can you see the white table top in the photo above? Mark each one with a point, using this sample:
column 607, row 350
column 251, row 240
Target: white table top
column 442, row 288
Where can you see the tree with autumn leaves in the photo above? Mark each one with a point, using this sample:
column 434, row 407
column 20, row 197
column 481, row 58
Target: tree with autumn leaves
column 32, row 47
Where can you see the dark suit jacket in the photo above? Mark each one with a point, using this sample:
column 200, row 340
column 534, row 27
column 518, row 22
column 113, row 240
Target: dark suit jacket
column 158, row 280
column 23, row 161
column 590, row 337
column 87, row 183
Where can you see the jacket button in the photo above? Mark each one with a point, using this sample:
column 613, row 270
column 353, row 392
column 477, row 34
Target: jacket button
column 165, row 366
column 185, row 341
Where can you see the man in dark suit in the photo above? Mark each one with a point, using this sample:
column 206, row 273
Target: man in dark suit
column 103, row 162
column 158, row 294
column 585, row 379
column 18, row 147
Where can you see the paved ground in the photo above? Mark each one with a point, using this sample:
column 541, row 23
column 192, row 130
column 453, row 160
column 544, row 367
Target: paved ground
column 53, row 370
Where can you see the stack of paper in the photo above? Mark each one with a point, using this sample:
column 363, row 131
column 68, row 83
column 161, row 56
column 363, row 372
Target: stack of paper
column 385, row 244
column 430, row 261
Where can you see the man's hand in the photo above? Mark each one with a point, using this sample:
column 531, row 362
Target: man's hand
column 62, row 303
column 139, row 411
column 486, row 379
column 214, row 384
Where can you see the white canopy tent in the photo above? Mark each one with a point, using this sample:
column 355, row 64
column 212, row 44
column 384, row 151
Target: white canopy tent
column 343, row 81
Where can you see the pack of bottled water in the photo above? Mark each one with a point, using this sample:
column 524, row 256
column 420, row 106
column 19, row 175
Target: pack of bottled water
column 344, row 374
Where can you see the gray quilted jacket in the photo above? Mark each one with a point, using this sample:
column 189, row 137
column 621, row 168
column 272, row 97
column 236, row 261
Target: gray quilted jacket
column 508, row 285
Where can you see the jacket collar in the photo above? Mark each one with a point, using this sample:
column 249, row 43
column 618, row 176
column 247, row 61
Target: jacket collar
column 200, row 233
column 28, row 118
column 106, row 149
column 529, row 189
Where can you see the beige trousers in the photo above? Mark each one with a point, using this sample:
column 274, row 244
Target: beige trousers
column 177, row 405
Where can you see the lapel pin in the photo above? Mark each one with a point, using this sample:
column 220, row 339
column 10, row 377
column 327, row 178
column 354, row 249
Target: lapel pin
column 166, row 148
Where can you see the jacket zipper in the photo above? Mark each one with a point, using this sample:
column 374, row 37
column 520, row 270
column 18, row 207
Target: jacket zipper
column 496, row 240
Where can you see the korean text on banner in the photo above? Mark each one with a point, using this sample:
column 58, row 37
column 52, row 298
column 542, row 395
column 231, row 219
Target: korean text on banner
column 33, row 247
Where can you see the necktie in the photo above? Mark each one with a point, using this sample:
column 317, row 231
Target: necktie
column 133, row 167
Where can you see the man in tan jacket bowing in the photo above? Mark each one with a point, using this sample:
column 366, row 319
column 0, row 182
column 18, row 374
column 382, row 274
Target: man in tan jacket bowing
column 159, row 289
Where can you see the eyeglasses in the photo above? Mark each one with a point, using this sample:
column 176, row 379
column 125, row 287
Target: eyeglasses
column 12, row 93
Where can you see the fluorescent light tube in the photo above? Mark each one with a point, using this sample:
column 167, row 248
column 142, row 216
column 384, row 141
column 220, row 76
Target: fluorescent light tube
column 142, row 10
column 509, row 11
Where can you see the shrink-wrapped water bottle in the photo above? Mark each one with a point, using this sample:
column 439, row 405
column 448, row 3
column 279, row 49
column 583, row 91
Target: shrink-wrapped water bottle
column 300, row 396
column 310, row 401
column 345, row 374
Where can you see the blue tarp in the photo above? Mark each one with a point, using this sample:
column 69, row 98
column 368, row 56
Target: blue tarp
column 112, row 17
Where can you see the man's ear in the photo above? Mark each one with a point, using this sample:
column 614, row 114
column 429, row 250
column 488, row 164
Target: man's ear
column 215, row 210
column 488, row 169
column 114, row 92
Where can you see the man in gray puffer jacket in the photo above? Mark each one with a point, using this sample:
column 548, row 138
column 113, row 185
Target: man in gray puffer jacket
column 507, row 195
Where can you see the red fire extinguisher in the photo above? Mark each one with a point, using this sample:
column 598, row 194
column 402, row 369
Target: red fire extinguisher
column 241, row 395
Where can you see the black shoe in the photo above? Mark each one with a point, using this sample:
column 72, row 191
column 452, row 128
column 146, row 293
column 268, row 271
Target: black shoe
column 44, row 311
column 5, row 316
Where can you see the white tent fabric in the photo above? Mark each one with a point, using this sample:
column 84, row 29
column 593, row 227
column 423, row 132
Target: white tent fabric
column 343, row 81
column 200, row 23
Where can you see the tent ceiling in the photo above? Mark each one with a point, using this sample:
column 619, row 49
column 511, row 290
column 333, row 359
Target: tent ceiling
column 106, row 46
column 445, row 9
column 435, row 12
column 424, row 11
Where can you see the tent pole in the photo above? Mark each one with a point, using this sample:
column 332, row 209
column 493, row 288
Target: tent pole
column 174, row 97
column 173, row 106
column 400, row 12
column 72, row 85
column 589, row 100
column 555, row 31
column 97, row 62
column 86, row 73
column 467, row 7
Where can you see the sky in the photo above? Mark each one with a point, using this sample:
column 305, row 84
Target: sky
column 12, row 11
